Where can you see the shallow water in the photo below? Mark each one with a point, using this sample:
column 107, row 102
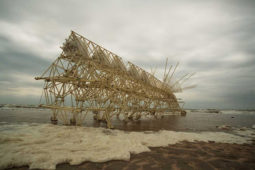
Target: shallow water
column 195, row 120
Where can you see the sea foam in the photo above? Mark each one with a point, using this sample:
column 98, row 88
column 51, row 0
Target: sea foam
column 43, row 146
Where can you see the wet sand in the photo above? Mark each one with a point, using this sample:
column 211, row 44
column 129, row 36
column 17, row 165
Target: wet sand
column 185, row 155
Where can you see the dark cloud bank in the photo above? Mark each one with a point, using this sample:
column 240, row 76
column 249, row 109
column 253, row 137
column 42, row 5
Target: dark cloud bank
column 215, row 39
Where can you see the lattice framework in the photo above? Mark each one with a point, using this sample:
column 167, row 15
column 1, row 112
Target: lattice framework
column 87, row 78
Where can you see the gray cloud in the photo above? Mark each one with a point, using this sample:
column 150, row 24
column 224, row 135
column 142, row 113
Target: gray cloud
column 18, row 67
column 16, row 59
column 215, row 39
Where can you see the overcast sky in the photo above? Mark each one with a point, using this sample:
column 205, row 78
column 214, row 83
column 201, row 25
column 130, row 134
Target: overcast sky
column 215, row 39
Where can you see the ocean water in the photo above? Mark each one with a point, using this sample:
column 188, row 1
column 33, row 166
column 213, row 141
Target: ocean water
column 195, row 120
column 27, row 137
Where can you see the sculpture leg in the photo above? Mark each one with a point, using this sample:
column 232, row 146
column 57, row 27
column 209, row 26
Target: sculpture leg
column 108, row 119
column 53, row 118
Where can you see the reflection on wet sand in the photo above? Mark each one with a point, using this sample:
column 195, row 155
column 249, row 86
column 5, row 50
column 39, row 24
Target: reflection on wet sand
column 167, row 122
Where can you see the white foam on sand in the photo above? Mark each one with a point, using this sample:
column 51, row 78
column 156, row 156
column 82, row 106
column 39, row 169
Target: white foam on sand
column 43, row 146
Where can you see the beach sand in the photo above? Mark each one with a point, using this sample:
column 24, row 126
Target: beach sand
column 184, row 155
